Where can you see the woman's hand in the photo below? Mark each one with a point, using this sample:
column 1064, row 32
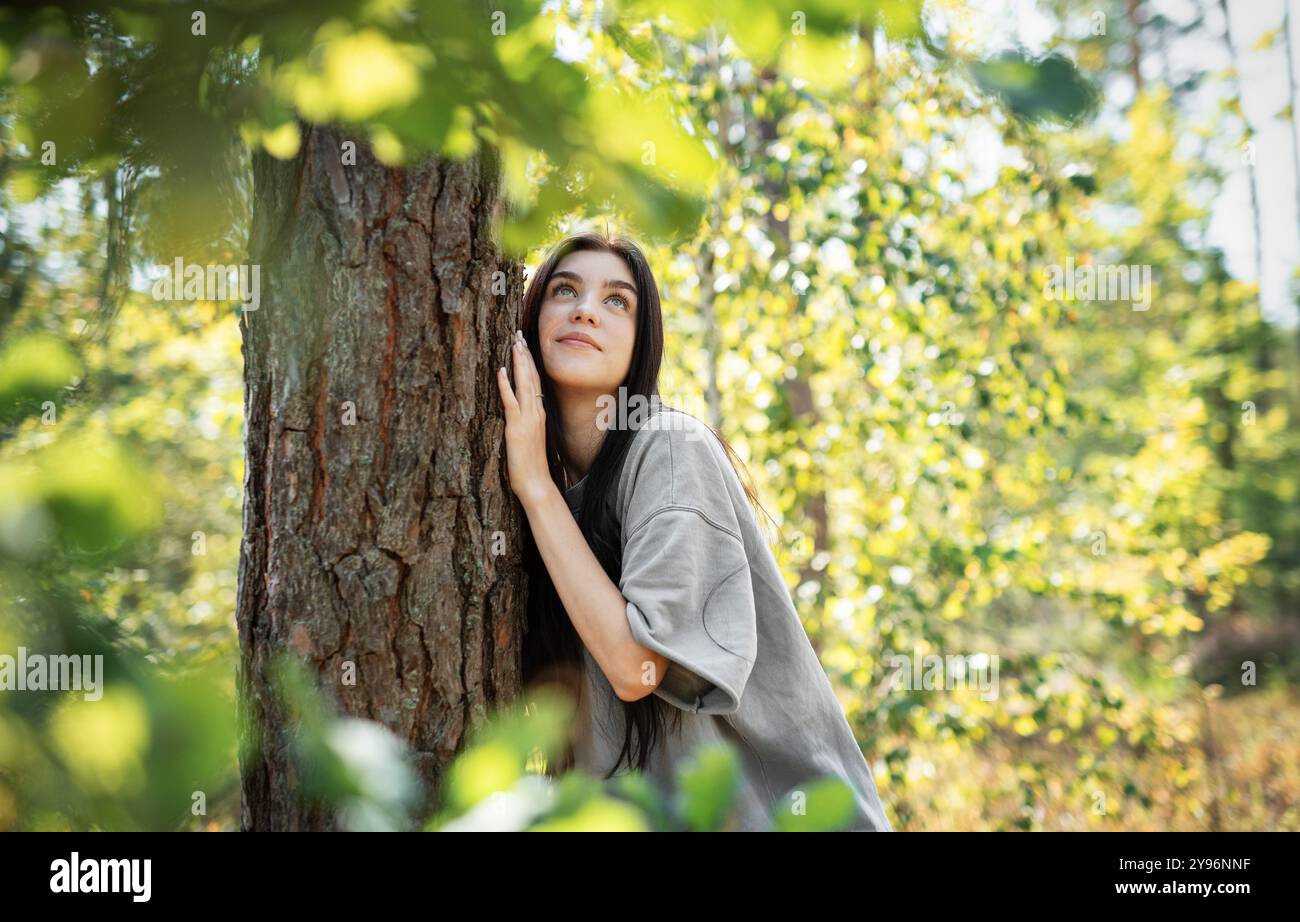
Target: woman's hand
column 525, row 426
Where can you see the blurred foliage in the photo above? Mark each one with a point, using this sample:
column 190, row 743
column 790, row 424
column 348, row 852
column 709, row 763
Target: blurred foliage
column 1077, row 487
column 1103, row 498
column 173, row 93
column 356, row 766
column 494, row 785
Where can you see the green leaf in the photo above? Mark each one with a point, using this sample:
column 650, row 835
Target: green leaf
column 1048, row 89
column 707, row 785
column 33, row 370
column 825, row 805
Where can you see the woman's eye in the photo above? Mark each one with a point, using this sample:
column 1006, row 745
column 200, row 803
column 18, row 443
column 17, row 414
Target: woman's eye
column 565, row 286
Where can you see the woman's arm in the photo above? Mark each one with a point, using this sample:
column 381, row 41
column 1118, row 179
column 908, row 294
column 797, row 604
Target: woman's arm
column 595, row 605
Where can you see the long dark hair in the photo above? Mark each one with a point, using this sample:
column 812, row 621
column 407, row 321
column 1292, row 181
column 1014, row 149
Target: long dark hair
column 552, row 647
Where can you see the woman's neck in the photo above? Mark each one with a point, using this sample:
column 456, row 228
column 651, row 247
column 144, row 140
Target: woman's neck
column 579, row 414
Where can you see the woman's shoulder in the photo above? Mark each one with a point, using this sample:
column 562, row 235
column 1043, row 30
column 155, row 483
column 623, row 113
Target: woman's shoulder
column 675, row 459
column 667, row 434
column 683, row 426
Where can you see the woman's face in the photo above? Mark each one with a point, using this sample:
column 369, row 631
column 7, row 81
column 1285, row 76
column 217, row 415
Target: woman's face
column 590, row 296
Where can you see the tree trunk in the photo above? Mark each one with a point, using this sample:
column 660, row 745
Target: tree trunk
column 375, row 488
column 1131, row 8
column 798, row 390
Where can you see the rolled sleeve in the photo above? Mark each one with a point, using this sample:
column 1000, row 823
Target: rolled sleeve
column 690, row 598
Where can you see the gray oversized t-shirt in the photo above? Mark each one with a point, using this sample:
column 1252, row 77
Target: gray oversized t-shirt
column 704, row 590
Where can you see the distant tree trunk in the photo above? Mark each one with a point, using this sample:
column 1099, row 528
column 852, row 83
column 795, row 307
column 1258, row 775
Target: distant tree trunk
column 1263, row 358
column 1294, row 120
column 705, row 257
column 1131, row 9
column 798, row 390
column 1249, row 134
column 375, row 476
column 712, row 349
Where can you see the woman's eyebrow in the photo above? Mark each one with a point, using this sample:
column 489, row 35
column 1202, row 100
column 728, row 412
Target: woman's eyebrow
column 609, row 283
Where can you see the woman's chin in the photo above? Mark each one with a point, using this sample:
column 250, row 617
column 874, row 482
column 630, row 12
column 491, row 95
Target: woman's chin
column 575, row 382
column 575, row 373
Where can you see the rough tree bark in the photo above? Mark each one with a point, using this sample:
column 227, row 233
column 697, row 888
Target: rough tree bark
column 375, row 472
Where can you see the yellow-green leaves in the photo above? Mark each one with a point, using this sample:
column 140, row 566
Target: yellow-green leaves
column 825, row 63
column 282, row 142
column 642, row 131
column 822, row 805
column 707, row 787
column 354, row 75
column 82, row 492
column 104, row 742
column 34, row 372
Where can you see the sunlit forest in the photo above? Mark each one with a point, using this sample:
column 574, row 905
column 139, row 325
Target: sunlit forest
column 1043, row 532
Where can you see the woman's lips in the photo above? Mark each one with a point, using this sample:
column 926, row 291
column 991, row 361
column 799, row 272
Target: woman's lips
column 581, row 344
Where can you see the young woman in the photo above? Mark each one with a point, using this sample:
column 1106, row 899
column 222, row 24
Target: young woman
column 653, row 595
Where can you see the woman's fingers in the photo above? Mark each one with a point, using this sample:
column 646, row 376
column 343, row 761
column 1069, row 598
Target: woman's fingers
column 507, row 395
column 521, row 385
column 525, row 421
column 527, row 381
